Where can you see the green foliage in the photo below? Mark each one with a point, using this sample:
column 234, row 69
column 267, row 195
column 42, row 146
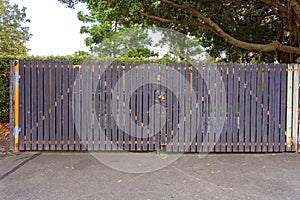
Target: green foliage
column 5, row 77
column 257, row 22
column 4, row 88
column 13, row 35
column 121, row 41
column 139, row 52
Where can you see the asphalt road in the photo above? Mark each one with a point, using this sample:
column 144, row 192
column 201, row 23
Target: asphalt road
column 33, row 175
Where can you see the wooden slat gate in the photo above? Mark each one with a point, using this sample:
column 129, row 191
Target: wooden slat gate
column 102, row 106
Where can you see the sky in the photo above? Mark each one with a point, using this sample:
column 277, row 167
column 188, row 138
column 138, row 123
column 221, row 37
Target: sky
column 55, row 28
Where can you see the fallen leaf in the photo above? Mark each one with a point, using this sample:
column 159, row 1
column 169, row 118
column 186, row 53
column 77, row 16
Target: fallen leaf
column 120, row 181
column 163, row 157
column 212, row 171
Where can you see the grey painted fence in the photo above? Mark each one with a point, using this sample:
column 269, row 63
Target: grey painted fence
column 255, row 105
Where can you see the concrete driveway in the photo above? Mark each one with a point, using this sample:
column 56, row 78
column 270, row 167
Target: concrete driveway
column 33, row 175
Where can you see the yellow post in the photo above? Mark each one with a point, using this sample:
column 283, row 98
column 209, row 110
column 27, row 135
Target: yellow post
column 16, row 106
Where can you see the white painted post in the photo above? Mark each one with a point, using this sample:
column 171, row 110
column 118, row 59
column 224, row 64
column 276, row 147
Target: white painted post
column 289, row 111
column 295, row 106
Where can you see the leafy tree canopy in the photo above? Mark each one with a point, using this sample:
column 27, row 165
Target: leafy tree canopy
column 13, row 34
column 234, row 30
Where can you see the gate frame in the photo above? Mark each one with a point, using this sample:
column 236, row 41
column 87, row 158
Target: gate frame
column 292, row 128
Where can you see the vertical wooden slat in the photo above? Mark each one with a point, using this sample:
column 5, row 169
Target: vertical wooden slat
column 205, row 147
column 242, row 108
column 192, row 111
column 259, row 109
column 85, row 105
column 40, row 77
column 88, row 105
column 119, row 118
column 114, row 135
column 139, row 104
column 181, row 110
column 174, row 109
column 230, row 108
column 46, row 105
column 218, row 108
column 89, row 113
column 169, row 109
column 150, row 100
column 162, row 101
column 265, row 109
column 283, row 106
column 235, row 107
column 145, row 108
column 276, row 107
column 247, row 108
column 101, row 96
column 53, row 74
column 132, row 107
column 65, row 103
column 223, row 135
column 202, row 95
column 109, row 76
column 34, row 103
column 77, row 107
column 185, row 108
column 289, row 107
column 253, row 130
column 95, row 106
column 271, row 109
column 212, row 112
column 120, row 102
column 157, row 110
column 199, row 86
column 27, row 105
column 59, row 110
column 70, row 103
column 127, row 89
column 22, row 118
column 159, row 119
column 295, row 107
column 193, row 108
column 123, row 89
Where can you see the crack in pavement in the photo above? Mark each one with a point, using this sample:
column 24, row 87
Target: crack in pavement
column 2, row 177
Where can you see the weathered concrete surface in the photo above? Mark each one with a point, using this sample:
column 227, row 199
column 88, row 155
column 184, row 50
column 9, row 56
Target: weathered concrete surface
column 216, row 176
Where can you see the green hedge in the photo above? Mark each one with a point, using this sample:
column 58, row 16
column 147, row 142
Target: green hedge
column 76, row 60
column 5, row 78
column 4, row 88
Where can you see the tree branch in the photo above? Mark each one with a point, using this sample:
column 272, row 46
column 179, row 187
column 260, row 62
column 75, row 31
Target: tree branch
column 212, row 26
column 172, row 21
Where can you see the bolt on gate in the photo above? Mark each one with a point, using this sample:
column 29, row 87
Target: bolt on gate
column 179, row 107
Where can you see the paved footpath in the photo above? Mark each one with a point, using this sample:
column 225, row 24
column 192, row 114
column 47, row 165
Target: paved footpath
column 33, row 175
